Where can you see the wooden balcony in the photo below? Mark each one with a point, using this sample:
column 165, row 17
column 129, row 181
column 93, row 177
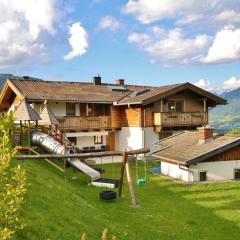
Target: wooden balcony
column 84, row 123
column 168, row 119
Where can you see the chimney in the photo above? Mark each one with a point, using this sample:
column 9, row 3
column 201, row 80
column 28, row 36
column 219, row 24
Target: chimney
column 97, row 80
column 120, row 82
column 205, row 134
column 26, row 77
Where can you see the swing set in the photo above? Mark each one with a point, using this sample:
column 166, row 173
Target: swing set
column 117, row 183
column 141, row 181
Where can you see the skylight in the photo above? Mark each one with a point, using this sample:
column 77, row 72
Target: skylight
column 117, row 88
column 139, row 92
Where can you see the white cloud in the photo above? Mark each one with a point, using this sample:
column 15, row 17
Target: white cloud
column 231, row 83
column 21, row 23
column 183, row 11
column 109, row 22
column 78, row 40
column 228, row 85
column 228, row 16
column 189, row 19
column 206, row 85
column 170, row 46
column 225, row 47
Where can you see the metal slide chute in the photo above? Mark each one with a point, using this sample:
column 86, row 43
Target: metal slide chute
column 50, row 145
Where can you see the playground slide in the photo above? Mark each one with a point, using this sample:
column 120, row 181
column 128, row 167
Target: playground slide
column 51, row 145
column 86, row 169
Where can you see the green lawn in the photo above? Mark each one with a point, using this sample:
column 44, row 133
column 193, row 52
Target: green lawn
column 59, row 209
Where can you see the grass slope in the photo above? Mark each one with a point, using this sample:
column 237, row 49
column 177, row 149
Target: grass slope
column 59, row 209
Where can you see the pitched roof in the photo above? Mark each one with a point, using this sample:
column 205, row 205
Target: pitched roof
column 39, row 90
column 155, row 94
column 135, row 98
column 183, row 148
column 70, row 91
column 25, row 112
column 47, row 117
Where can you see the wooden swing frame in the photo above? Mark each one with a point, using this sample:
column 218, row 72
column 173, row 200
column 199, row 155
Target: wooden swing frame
column 124, row 165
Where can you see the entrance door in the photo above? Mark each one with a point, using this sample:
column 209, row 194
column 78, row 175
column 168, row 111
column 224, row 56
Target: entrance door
column 111, row 141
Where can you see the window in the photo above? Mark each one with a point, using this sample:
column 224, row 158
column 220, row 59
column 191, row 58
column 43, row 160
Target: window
column 90, row 110
column 70, row 109
column 203, row 176
column 102, row 110
column 175, row 105
column 83, row 109
column 73, row 140
column 237, row 174
column 98, row 139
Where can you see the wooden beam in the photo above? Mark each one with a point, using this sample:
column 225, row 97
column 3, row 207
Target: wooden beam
column 29, row 134
column 130, row 185
column 161, row 107
column 21, row 133
column 124, row 161
column 81, row 155
column 205, row 104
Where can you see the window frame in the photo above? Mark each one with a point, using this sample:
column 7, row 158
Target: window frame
column 96, row 138
column 234, row 174
column 67, row 109
column 202, row 171
column 175, row 104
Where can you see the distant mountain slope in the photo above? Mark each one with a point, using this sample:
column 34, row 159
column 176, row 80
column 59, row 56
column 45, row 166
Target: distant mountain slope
column 3, row 77
column 228, row 114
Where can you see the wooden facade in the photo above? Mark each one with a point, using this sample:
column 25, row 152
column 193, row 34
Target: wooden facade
column 186, row 107
column 228, row 155
column 78, row 123
column 180, row 119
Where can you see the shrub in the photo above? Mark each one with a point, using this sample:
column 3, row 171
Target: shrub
column 12, row 183
column 234, row 131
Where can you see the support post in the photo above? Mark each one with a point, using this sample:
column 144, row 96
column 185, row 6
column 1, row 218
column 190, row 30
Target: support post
column 130, row 185
column 124, row 160
column 29, row 137
column 161, row 106
column 21, row 133
column 205, row 104
column 65, row 168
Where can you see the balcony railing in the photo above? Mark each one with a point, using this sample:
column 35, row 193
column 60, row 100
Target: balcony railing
column 168, row 119
column 84, row 123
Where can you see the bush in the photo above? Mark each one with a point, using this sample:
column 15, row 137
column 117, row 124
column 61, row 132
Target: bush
column 12, row 183
column 234, row 131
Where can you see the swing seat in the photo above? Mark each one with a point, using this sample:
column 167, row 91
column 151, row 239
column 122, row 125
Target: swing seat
column 141, row 182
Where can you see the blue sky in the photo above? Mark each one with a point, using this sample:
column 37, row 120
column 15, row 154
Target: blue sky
column 150, row 42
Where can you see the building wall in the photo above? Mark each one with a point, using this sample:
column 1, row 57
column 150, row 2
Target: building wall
column 176, row 171
column 216, row 171
column 191, row 103
column 133, row 138
column 86, row 139
column 126, row 117
column 150, row 136
column 129, row 138
column 58, row 109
